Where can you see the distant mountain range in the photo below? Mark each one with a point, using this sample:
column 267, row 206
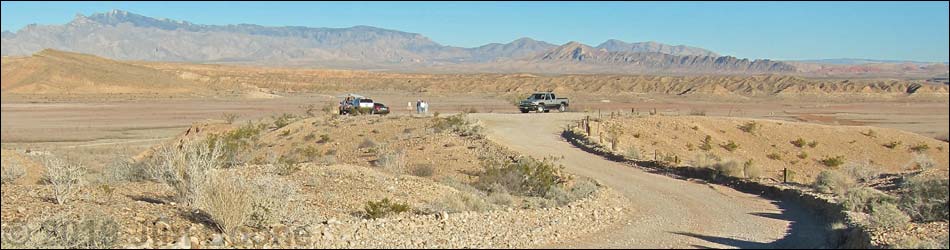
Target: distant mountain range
column 127, row 36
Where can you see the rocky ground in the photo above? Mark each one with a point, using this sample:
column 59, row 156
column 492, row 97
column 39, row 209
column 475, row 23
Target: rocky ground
column 331, row 191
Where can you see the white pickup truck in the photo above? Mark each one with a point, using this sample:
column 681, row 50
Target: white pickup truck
column 543, row 102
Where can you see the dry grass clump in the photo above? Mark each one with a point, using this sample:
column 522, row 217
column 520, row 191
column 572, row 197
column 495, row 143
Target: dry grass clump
column 227, row 199
column 65, row 177
column 271, row 201
column 10, row 171
column 392, row 161
column 185, row 168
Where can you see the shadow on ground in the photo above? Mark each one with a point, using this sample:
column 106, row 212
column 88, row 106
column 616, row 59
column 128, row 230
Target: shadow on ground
column 799, row 235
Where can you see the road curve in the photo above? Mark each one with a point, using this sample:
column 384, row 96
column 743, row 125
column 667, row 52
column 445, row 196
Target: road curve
column 666, row 212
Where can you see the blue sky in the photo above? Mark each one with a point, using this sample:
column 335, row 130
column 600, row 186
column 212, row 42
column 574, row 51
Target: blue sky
column 777, row 30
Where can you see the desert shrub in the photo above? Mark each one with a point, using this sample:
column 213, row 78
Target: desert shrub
column 870, row 133
column 813, row 144
column 229, row 117
column 311, row 110
column 324, row 138
column 799, row 142
column 528, row 176
column 864, row 199
column 888, row 215
column 383, row 208
column 583, row 188
column 367, row 143
column 697, row 112
column 832, row 182
column 90, row 231
column 730, row 146
column 185, row 168
column 802, row 155
column 65, row 177
column 632, row 153
column 467, row 199
column 123, row 169
column 707, row 143
column 238, row 143
column 559, row 195
column 283, row 120
column 864, row 172
column 892, row 145
column 457, row 124
column 394, row 162
column 614, row 132
column 919, row 148
column 751, row 170
column 727, row 168
column 286, row 165
column 270, row 204
column 424, row 170
column 537, row 203
column 10, row 171
column 774, row 156
column 227, row 199
column 921, row 162
column 832, row 162
column 705, row 160
column 500, row 199
column 926, row 199
column 470, row 110
column 750, row 127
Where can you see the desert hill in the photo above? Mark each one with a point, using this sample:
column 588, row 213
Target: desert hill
column 58, row 72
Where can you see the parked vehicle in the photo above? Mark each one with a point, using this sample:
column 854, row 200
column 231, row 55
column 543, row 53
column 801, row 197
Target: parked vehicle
column 357, row 104
column 543, row 102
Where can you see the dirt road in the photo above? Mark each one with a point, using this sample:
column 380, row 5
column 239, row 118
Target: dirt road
column 666, row 212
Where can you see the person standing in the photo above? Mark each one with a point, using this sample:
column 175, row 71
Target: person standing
column 418, row 106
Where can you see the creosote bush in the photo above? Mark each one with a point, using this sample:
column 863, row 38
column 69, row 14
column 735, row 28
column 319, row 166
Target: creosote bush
column 750, row 127
column 527, row 176
column 383, row 208
column 832, row 161
column 457, row 124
